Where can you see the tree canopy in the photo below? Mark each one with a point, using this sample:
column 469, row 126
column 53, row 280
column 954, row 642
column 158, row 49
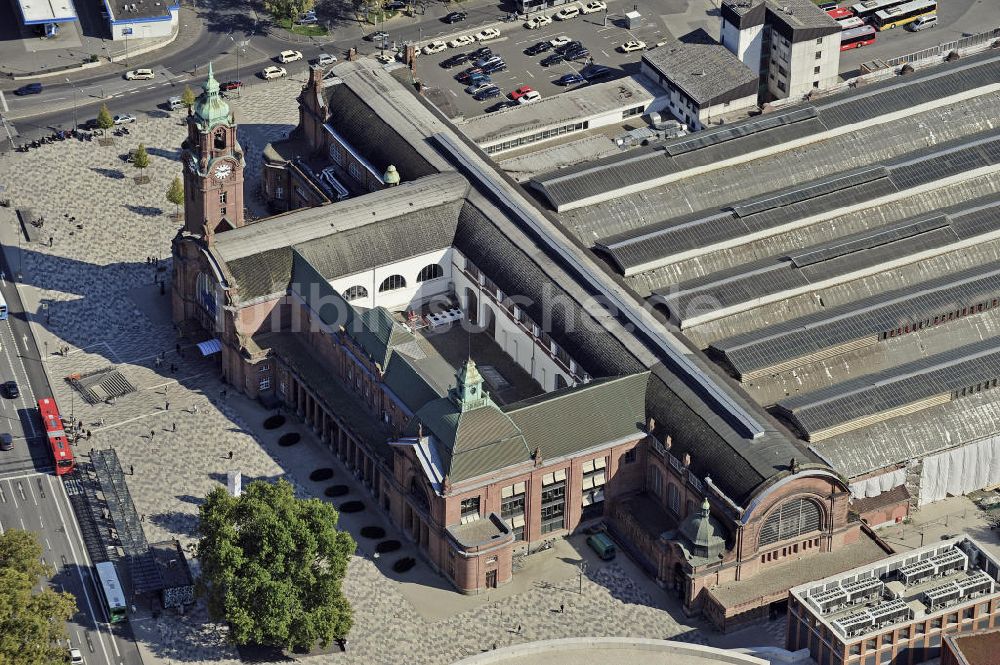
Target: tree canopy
column 272, row 566
column 104, row 119
column 289, row 9
column 31, row 623
column 175, row 193
column 187, row 97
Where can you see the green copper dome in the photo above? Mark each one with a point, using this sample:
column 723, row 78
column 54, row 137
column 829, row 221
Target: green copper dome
column 210, row 108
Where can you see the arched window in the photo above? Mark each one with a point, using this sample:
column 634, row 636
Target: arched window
column 355, row 292
column 791, row 519
column 392, row 282
column 220, row 139
column 433, row 271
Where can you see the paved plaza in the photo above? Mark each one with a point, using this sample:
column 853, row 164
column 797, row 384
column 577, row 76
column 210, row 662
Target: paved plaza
column 104, row 308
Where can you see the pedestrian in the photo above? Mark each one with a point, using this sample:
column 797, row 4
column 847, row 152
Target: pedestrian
column 142, row 518
column 50, row 241
column 166, row 406
column 518, row 629
column 88, row 435
column 131, row 470
column 194, row 409
column 175, row 427
column 562, row 608
column 230, row 454
column 151, row 434
column 148, row 260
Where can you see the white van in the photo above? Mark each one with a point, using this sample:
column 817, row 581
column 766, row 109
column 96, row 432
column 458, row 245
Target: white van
column 927, row 21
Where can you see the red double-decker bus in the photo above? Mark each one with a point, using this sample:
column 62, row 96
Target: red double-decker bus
column 62, row 454
column 857, row 37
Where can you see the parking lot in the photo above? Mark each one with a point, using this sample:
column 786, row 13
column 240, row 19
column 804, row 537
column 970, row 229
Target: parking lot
column 600, row 39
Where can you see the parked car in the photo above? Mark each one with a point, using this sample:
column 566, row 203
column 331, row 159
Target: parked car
column 529, row 97
column 592, row 7
column 597, row 72
column 7, row 443
column 434, row 47
column 129, row 157
column 308, row 20
column 396, row 5
column 577, row 54
column 482, row 62
column 325, row 59
column 553, row 59
column 30, row 89
column 568, row 12
column 561, row 40
column 632, row 45
column 229, row 86
column 273, row 72
column 495, row 67
column 570, row 79
column 10, row 390
column 455, row 60
column 480, row 84
column 455, row 17
column 487, row 34
column 499, row 106
column 124, row 119
column 461, row 40
column 540, row 47
column 487, row 93
column 520, row 92
column 923, row 22
column 483, row 52
column 463, row 77
column 567, row 46
column 289, row 56
column 139, row 74
column 602, row 545
column 535, row 22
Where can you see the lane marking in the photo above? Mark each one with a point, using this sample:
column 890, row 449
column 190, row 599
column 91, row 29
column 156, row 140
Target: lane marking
column 76, row 560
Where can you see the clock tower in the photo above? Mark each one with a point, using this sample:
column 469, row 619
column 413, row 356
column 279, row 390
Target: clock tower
column 213, row 166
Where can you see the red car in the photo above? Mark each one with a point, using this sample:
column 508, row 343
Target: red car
column 231, row 85
column 520, row 92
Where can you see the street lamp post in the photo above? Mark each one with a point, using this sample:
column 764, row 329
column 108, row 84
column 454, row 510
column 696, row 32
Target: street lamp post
column 583, row 571
column 76, row 121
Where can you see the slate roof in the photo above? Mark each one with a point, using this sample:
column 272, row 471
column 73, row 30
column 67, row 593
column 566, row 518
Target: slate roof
column 516, row 271
column 571, row 420
column 406, row 383
column 703, row 71
column 470, row 443
column 736, row 466
column 371, row 136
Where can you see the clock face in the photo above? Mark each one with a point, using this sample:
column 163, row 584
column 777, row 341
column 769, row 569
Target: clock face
column 223, row 171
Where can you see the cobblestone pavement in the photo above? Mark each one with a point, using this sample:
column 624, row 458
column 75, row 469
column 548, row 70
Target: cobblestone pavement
column 177, row 429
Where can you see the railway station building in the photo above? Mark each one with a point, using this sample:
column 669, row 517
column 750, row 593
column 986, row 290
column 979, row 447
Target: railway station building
column 437, row 327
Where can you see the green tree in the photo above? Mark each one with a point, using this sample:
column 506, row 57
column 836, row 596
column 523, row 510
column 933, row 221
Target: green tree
column 31, row 623
column 175, row 194
column 288, row 9
column 187, row 97
column 273, row 566
column 104, row 119
column 141, row 161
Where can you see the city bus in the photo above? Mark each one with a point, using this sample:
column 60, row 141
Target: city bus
column 849, row 23
column 838, row 13
column 3, row 308
column 857, row 37
column 865, row 10
column 62, row 455
column 886, row 19
column 112, row 596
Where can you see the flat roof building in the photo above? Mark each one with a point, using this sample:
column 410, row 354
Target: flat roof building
column 141, row 18
column 899, row 609
column 40, row 12
column 704, row 81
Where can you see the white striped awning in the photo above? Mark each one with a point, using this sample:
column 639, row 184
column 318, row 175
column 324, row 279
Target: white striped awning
column 210, row 347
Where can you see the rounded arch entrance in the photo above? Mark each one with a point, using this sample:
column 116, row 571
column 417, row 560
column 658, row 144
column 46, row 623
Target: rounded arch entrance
column 471, row 306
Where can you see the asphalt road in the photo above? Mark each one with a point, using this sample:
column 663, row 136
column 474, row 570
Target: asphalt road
column 34, row 499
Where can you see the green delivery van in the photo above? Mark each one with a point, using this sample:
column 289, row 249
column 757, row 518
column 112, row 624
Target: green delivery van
column 601, row 544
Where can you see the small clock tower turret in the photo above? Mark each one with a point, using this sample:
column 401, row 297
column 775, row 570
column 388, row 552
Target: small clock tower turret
column 213, row 166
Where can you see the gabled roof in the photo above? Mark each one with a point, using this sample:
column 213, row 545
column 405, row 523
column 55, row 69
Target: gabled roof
column 407, row 384
column 378, row 333
column 575, row 419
